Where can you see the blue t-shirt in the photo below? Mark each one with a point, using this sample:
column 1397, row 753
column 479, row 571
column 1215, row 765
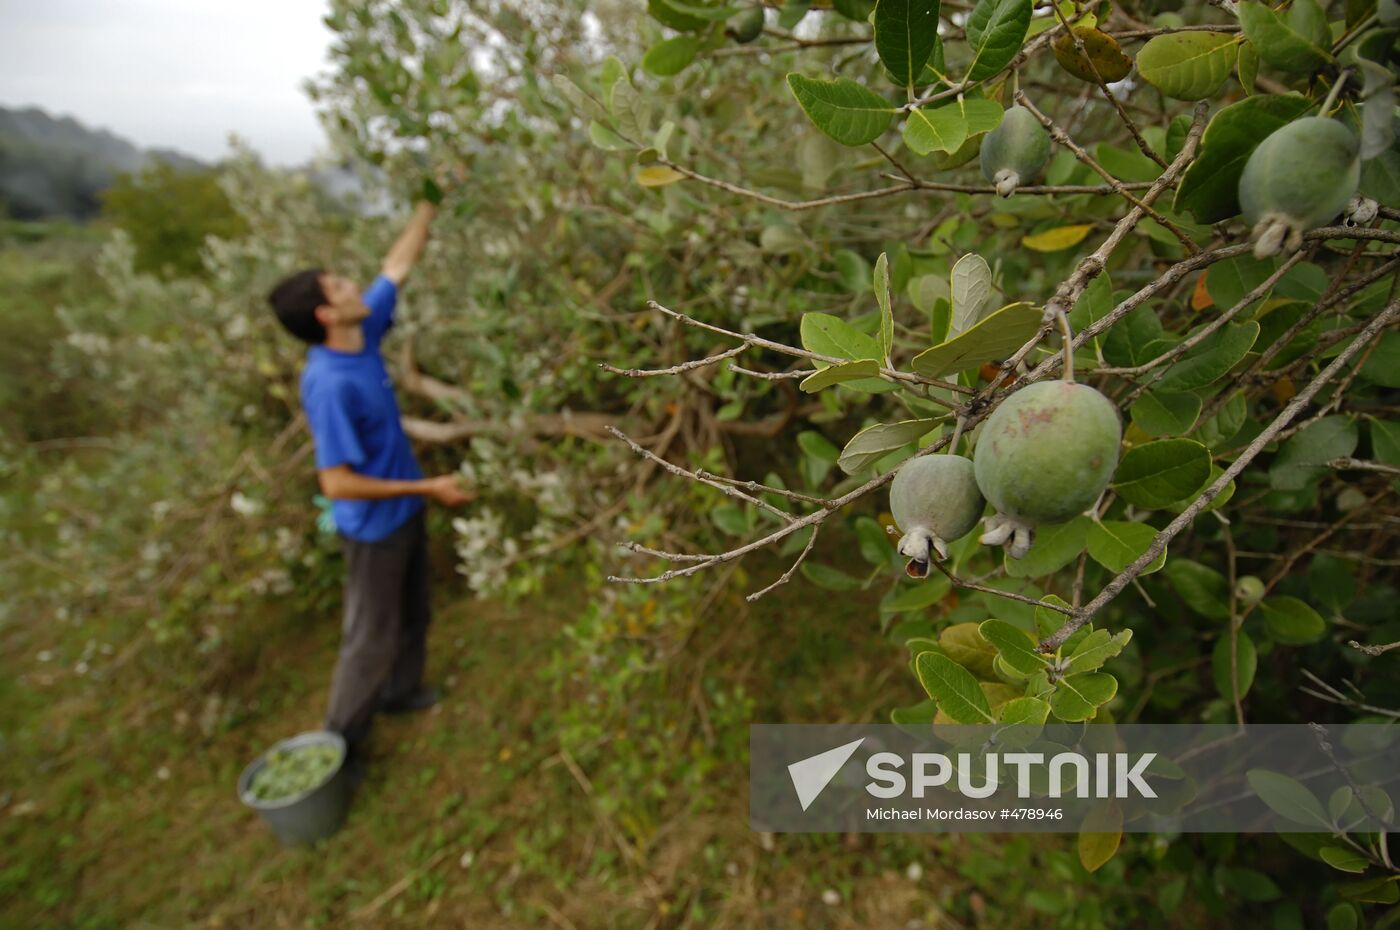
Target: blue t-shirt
column 349, row 402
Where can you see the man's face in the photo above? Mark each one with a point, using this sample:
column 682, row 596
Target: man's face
column 343, row 300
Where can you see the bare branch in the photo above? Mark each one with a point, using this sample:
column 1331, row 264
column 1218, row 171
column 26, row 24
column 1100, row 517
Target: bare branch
column 1350, row 464
column 787, row 575
column 677, row 470
column 889, row 374
column 1286, row 416
column 674, row 369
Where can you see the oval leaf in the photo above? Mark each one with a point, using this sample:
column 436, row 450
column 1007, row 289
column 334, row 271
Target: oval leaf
column 1159, row 473
column 953, row 687
column 1188, row 65
column 848, row 112
column 995, row 338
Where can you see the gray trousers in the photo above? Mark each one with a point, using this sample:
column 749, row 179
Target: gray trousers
column 384, row 637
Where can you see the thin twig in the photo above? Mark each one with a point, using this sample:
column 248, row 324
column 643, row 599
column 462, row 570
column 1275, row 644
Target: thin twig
column 1159, row 543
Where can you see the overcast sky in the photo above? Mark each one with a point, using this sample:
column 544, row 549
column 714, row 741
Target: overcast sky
column 178, row 74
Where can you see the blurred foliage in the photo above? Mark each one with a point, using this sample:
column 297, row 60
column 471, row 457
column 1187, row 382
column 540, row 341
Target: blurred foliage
column 169, row 212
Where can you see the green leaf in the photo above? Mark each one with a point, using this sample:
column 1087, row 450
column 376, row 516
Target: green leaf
column 817, row 446
column 1385, row 441
column 836, row 374
column 1188, row 65
column 1288, row 797
column 1056, row 545
column 875, row 442
column 882, row 297
column 946, row 127
column 993, row 339
column 1294, row 41
column 1159, row 473
column 905, row 34
column 857, row 10
column 1246, row 662
column 1116, row 544
column 1210, row 187
column 1248, row 66
column 874, row 542
column 1344, row 860
column 1016, row 647
column 1078, row 697
column 1383, row 365
column 1210, row 360
column 848, row 112
column 825, row 334
column 919, row 714
column 1205, row 590
column 962, row 643
column 1384, row 890
column 995, row 30
column 1100, row 834
column 603, row 137
column 671, row 56
column 1023, row 711
column 1096, row 649
column 1164, row 413
column 918, row 595
column 971, row 289
column 793, row 12
column 1291, row 621
column 833, row 579
column 731, row 520
column 1302, row 460
column 953, row 687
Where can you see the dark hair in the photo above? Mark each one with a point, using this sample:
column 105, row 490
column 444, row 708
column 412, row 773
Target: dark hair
column 295, row 300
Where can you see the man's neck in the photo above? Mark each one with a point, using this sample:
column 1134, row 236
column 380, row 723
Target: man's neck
column 346, row 338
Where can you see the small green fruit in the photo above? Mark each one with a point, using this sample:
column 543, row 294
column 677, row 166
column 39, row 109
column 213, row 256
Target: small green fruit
column 1014, row 152
column 1249, row 589
column 748, row 25
column 934, row 500
column 1044, row 456
column 1297, row 179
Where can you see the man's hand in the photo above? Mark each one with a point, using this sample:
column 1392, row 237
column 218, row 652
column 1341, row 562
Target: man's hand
column 447, row 490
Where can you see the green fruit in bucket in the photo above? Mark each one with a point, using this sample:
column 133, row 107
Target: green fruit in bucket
column 1297, row 179
column 1044, row 456
column 934, row 500
column 1014, row 152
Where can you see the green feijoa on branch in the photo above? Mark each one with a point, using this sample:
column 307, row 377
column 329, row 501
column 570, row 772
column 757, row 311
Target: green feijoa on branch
column 748, row 25
column 1044, row 456
column 934, row 500
column 1014, row 152
column 1297, row 179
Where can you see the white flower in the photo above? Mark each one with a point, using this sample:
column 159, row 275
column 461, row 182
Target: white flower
column 244, row 505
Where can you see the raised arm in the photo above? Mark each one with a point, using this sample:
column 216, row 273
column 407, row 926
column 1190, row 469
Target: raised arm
column 409, row 246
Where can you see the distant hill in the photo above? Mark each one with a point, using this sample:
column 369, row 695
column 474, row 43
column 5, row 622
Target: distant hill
column 56, row 166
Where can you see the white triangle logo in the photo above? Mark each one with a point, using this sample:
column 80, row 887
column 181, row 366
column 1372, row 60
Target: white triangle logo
column 811, row 775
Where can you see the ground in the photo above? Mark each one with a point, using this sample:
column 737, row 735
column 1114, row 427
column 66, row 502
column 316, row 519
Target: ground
column 120, row 810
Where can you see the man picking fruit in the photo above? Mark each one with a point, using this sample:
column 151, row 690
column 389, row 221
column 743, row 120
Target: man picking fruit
column 367, row 468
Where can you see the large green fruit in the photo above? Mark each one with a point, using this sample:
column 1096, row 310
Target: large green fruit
column 1297, row 179
column 934, row 499
column 1044, row 456
column 748, row 25
column 1014, row 152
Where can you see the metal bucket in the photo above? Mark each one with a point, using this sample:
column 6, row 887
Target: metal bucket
column 313, row 814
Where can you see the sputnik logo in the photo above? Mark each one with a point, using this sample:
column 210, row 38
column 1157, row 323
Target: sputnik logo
column 810, row 776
